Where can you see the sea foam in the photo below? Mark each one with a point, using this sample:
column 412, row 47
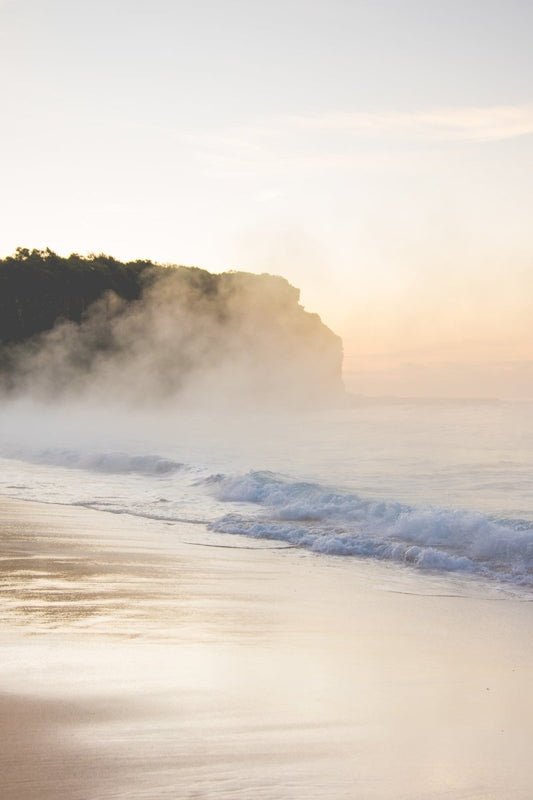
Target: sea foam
column 267, row 505
column 113, row 463
column 343, row 523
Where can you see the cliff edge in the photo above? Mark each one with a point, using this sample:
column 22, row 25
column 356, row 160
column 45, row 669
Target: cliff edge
column 139, row 331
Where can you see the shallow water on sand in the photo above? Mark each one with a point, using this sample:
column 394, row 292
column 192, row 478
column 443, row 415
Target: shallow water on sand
column 444, row 487
column 140, row 664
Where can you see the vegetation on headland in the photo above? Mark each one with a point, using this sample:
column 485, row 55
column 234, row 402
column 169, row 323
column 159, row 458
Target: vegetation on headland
column 38, row 288
column 67, row 323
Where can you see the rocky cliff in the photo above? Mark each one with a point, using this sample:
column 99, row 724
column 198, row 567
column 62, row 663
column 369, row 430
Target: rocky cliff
column 142, row 332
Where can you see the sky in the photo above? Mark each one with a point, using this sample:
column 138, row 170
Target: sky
column 379, row 155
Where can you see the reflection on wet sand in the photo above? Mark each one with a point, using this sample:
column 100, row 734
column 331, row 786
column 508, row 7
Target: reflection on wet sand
column 138, row 665
column 126, row 586
column 65, row 593
column 143, row 672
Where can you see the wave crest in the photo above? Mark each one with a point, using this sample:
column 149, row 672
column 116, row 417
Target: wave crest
column 343, row 523
column 116, row 463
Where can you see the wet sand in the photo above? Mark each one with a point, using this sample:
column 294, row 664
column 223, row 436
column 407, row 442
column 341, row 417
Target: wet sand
column 150, row 660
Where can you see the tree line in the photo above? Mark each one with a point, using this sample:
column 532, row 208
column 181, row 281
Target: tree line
column 39, row 287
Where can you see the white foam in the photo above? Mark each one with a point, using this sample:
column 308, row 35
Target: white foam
column 343, row 523
column 266, row 505
column 113, row 463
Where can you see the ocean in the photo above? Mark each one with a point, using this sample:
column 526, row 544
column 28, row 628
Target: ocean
column 434, row 486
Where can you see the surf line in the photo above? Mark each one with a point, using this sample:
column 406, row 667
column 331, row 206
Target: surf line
column 243, row 546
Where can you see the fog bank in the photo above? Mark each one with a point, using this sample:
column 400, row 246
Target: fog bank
column 191, row 339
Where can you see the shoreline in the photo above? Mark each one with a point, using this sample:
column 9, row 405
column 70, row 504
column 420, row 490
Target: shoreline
column 139, row 664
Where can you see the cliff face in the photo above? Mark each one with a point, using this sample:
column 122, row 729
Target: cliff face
column 140, row 332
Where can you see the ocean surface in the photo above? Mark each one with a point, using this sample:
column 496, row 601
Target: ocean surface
column 440, row 486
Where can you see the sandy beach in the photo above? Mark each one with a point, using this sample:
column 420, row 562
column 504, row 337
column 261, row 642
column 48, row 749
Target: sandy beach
column 143, row 659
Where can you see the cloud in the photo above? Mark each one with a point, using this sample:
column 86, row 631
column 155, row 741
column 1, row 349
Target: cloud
column 469, row 124
column 332, row 140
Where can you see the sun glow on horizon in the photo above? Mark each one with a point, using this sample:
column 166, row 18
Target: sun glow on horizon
column 337, row 144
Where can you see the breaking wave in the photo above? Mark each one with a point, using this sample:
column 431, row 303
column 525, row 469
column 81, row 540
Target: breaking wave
column 267, row 505
column 342, row 523
column 113, row 463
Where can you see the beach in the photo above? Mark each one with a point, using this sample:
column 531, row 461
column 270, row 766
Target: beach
column 144, row 659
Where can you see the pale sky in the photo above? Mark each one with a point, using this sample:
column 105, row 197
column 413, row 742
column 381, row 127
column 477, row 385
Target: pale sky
column 377, row 154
